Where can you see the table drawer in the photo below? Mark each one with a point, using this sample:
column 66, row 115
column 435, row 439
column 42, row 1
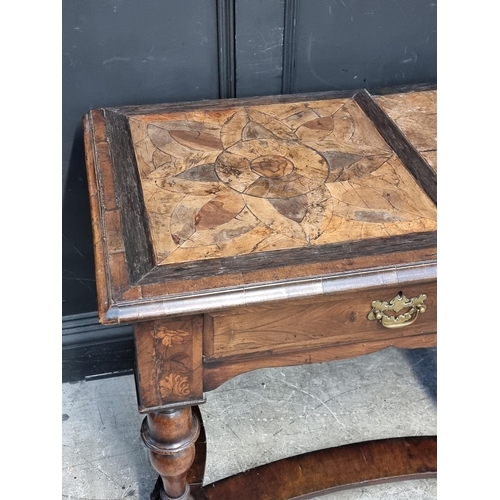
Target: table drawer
column 312, row 323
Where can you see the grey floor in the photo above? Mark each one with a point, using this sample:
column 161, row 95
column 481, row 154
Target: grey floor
column 256, row 418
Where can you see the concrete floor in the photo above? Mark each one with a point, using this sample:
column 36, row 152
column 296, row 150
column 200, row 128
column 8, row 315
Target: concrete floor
column 256, row 418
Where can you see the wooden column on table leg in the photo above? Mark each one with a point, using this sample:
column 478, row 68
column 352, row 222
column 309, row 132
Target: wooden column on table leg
column 170, row 436
column 169, row 380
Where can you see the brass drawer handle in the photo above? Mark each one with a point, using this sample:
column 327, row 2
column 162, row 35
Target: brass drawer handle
column 397, row 304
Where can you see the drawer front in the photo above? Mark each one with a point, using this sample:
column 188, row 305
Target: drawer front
column 312, row 323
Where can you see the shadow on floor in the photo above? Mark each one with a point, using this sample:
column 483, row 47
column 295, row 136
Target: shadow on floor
column 424, row 366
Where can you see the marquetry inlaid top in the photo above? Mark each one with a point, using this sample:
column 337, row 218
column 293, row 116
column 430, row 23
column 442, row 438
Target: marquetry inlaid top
column 213, row 204
column 251, row 179
column 415, row 113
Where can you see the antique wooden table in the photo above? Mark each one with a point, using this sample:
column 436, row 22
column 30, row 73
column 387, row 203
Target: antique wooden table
column 259, row 232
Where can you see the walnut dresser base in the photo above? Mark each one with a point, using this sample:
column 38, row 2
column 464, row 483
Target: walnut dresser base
column 248, row 233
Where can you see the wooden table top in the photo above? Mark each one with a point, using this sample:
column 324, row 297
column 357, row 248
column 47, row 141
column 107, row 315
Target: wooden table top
column 206, row 205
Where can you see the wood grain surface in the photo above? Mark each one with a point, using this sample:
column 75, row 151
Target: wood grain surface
column 312, row 200
column 239, row 181
column 267, row 330
column 217, row 372
column 169, row 368
column 242, row 234
column 415, row 113
column 413, row 161
column 196, row 472
column 313, row 474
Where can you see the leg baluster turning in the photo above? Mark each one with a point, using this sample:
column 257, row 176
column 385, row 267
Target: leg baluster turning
column 170, row 436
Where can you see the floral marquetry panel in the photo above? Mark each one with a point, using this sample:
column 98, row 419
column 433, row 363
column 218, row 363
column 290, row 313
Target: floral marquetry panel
column 416, row 115
column 169, row 357
column 202, row 204
column 219, row 183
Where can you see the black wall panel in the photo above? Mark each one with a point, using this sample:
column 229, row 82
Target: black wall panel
column 259, row 47
column 115, row 53
column 347, row 44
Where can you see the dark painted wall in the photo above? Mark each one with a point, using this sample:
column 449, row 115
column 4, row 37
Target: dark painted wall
column 115, row 53
column 135, row 52
column 259, row 47
column 346, row 44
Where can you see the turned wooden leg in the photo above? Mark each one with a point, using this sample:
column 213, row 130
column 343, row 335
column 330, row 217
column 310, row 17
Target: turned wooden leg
column 170, row 436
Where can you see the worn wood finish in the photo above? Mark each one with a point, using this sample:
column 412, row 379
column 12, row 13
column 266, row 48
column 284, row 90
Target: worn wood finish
column 196, row 473
column 94, row 141
column 334, row 469
column 217, row 372
column 162, row 108
column 403, row 89
column 415, row 113
column 260, row 179
column 413, row 161
column 298, row 235
column 201, row 268
column 153, row 301
column 169, row 362
column 129, row 198
column 170, row 437
column 249, row 233
column 295, row 326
